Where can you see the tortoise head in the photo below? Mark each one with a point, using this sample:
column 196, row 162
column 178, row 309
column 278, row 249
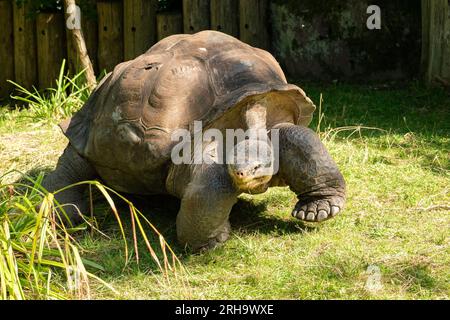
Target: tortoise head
column 251, row 165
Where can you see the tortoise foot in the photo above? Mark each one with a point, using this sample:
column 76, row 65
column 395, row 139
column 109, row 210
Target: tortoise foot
column 218, row 240
column 318, row 209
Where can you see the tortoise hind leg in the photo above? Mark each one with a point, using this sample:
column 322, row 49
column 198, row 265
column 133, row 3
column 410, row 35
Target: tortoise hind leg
column 309, row 170
column 71, row 168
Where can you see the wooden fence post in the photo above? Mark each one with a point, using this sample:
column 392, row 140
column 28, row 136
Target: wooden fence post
column 446, row 48
column 6, row 48
column 225, row 16
column 139, row 26
column 89, row 29
column 51, row 47
column 435, row 61
column 75, row 43
column 196, row 15
column 25, row 61
column 110, row 34
column 168, row 23
column 72, row 62
column 253, row 19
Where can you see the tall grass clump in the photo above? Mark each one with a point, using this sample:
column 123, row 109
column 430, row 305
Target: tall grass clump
column 40, row 257
column 54, row 103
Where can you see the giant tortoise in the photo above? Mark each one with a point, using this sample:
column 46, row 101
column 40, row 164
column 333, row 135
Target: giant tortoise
column 123, row 135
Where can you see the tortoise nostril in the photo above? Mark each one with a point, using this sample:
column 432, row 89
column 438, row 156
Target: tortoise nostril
column 239, row 173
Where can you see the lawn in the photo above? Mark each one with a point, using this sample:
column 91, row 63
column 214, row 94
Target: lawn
column 392, row 144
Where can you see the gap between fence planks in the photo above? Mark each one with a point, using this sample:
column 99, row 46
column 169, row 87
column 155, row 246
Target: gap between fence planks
column 6, row 47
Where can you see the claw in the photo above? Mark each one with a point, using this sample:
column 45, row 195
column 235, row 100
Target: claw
column 322, row 215
column 334, row 210
column 318, row 210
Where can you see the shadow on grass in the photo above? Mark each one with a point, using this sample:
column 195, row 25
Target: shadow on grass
column 247, row 217
column 411, row 119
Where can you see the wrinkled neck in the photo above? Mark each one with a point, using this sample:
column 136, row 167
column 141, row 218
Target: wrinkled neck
column 255, row 116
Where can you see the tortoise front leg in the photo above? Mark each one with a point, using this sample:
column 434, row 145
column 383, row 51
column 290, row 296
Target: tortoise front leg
column 202, row 222
column 71, row 168
column 309, row 170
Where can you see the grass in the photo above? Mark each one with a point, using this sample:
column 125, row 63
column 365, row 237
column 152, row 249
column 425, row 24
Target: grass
column 39, row 259
column 54, row 103
column 393, row 147
column 40, row 255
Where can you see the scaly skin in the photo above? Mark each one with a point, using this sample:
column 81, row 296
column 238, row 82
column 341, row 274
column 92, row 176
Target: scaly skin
column 206, row 203
column 305, row 165
column 71, row 168
column 309, row 170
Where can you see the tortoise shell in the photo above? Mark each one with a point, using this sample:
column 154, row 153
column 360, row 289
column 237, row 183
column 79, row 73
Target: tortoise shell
column 125, row 125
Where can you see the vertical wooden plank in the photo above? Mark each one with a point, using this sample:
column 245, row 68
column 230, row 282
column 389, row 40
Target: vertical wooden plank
column 89, row 26
column 425, row 8
column 51, row 47
column 438, row 16
column 139, row 26
column 168, row 23
column 253, row 20
column 25, row 61
column 434, row 21
column 6, row 47
column 196, row 15
column 110, row 34
column 446, row 47
column 225, row 16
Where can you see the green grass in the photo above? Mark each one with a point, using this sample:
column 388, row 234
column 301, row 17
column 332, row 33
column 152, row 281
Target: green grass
column 39, row 258
column 393, row 147
column 54, row 103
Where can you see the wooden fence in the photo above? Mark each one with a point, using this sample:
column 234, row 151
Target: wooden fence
column 33, row 47
column 436, row 41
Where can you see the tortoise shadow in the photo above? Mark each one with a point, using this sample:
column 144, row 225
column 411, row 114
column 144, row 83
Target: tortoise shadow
column 247, row 217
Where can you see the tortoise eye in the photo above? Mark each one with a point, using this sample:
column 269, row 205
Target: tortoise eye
column 151, row 65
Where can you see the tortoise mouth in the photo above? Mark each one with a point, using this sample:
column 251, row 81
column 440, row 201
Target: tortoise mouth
column 250, row 183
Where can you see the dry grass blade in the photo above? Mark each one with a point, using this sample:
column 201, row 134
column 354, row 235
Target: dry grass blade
column 34, row 248
column 116, row 213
